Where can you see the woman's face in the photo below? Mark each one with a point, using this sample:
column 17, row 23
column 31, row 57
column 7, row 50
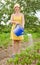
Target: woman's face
column 17, row 9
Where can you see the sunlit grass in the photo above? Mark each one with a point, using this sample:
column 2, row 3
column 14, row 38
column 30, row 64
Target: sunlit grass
column 36, row 35
column 5, row 38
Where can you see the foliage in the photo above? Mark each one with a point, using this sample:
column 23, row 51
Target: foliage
column 32, row 23
column 29, row 7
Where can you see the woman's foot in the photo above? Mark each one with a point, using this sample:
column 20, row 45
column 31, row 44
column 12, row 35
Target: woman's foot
column 12, row 56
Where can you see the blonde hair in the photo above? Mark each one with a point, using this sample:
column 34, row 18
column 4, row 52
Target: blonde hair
column 16, row 5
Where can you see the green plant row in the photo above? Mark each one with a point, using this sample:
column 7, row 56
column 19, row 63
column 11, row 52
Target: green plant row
column 27, row 57
column 5, row 29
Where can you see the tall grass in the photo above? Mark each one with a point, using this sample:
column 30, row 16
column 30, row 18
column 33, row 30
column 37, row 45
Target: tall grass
column 5, row 38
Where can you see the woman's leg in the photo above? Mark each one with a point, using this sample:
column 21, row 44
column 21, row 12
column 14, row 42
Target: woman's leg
column 19, row 46
column 16, row 47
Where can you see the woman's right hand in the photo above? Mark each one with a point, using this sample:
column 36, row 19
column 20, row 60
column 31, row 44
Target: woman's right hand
column 13, row 22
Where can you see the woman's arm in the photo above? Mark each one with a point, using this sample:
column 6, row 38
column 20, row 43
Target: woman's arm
column 23, row 20
column 12, row 21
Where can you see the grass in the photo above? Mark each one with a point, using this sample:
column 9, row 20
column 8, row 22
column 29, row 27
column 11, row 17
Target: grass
column 36, row 35
column 5, row 38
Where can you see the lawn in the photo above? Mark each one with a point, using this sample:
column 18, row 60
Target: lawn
column 5, row 38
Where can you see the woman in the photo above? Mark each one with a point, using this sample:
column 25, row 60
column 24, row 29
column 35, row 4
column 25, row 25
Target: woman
column 16, row 18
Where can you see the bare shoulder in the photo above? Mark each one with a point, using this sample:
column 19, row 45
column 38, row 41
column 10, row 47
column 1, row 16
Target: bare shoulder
column 21, row 14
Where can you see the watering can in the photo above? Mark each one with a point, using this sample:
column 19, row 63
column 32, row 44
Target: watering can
column 18, row 30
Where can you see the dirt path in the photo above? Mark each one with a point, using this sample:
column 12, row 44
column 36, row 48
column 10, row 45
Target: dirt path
column 6, row 53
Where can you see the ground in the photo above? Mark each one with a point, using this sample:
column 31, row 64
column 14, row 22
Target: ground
column 6, row 53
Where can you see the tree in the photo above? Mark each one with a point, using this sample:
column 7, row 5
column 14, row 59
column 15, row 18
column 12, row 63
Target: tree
column 27, row 7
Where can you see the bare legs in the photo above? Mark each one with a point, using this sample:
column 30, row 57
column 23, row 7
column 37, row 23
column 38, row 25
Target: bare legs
column 16, row 46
